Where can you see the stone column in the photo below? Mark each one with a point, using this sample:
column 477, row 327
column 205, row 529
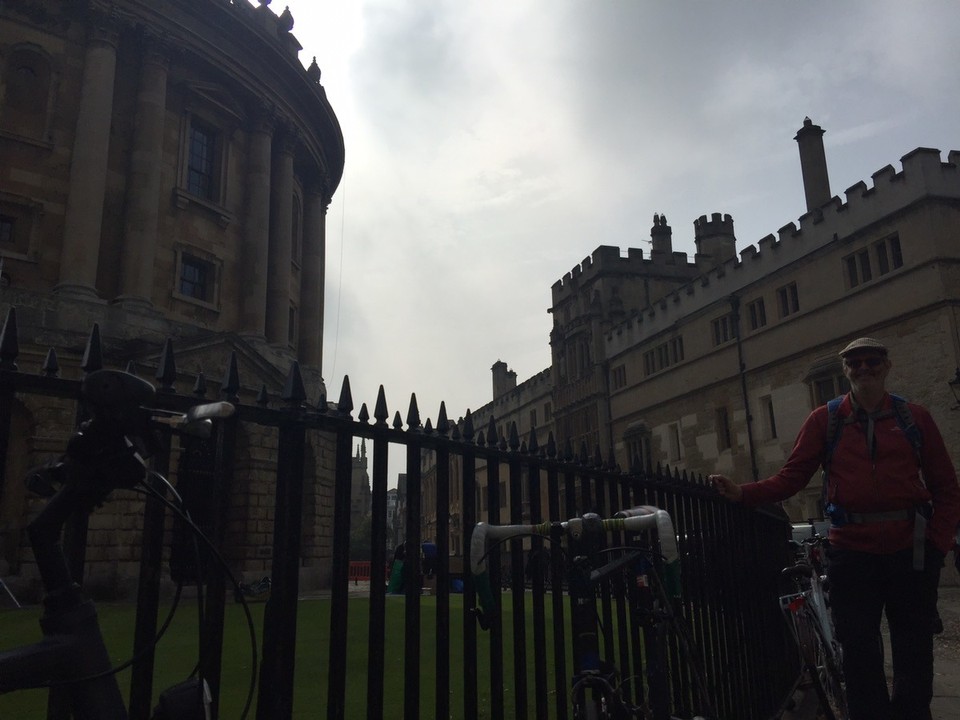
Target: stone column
column 312, row 278
column 254, row 253
column 281, row 228
column 88, row 167
column 138, row 253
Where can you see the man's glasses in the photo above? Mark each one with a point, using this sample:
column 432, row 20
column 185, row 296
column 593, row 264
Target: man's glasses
column 854, row 363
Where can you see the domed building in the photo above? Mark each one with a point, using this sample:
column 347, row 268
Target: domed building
column 165, row 170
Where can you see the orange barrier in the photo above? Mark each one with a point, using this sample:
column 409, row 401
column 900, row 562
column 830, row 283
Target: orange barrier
column 359, row 570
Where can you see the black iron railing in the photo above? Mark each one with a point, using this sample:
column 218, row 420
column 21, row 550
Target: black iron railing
column 731, row 560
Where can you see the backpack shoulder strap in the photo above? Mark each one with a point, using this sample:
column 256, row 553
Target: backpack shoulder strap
column 905, row 420
column 834, row 429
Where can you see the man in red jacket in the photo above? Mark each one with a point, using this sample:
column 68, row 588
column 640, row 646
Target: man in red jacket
column 894, row 505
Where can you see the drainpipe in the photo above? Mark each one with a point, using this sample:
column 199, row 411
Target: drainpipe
column 742, row 368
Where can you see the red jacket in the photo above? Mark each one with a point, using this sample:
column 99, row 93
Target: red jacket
column 891, row 480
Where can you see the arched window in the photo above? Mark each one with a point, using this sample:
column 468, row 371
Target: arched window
column 26, row 85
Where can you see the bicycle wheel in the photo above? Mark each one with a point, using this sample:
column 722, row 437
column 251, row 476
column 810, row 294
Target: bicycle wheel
column 823, row 663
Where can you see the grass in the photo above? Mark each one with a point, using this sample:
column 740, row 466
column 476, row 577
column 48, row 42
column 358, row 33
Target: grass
column 177, row 654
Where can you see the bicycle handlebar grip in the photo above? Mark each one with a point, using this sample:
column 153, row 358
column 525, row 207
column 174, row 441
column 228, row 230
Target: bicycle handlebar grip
column 643, row 517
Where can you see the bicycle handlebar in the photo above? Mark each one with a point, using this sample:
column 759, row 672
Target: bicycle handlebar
column 105, row 454
column 637, row 519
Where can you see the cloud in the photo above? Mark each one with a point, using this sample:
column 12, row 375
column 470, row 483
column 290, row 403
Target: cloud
column 492, row 146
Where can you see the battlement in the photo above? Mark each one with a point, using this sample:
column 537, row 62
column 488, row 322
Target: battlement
column 607, row 260
column 924, row 175
column 716, row 225
column 517, row 397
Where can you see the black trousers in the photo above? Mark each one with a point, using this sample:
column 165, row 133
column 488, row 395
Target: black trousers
column 864, row 585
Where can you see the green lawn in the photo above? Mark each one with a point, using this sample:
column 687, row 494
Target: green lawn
column 177, row 655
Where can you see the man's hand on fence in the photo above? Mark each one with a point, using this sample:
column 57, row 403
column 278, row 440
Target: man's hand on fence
column 726, row 487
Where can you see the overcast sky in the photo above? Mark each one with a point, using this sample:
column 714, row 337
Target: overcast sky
column 491, row 146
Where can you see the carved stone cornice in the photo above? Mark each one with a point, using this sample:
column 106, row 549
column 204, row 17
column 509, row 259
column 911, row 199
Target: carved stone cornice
column 39, row 13
column 156, row 47
column 287, row 137
column 317, row 182
column 262, row 117
column 104, row 27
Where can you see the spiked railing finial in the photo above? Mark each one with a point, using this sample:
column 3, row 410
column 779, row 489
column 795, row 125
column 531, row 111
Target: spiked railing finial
column 380, row 412
column 443, row 425
column 230, row 387
column 294, row 393
column 167, row 372
column 93, row 353
column 413, row 414
column 200, row 384
column 514, row 442
column 345, row 404
column 51, row 366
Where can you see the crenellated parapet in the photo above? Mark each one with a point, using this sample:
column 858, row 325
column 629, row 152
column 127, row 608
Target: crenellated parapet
column 607, row 262
column 505, row 405
column 717, row 225
column 923, row 176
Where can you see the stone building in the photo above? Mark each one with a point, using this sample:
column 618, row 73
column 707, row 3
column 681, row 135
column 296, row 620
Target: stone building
column 760, row 332
column 165, row 170
column 712, row 365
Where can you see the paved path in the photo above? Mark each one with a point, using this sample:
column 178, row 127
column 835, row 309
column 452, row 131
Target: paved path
column 946, row 654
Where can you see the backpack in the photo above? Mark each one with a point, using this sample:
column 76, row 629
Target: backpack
column 835, row 429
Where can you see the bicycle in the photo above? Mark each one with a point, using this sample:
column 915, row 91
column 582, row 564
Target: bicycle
column 107, row 453
column 653, row 584
column 808, row 616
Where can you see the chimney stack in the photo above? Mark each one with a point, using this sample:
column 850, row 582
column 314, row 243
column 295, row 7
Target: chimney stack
column 813, row 165
column 504, row 380
column 661, row 238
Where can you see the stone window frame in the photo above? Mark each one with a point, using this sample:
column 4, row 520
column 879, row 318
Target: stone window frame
column 788, row 299
column 888, row 254
column 857, row 268
column 216, row 265
column 723, row 329
column 618, row 377
column 826, row 380
column 293, row 325
column 24, row 214
column 663, row 355
column 46, row 95
column 757, row 314
column 871, row 262
column 638, row 443
column 206, row 105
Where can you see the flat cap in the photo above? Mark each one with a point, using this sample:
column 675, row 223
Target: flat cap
column 864, row 344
